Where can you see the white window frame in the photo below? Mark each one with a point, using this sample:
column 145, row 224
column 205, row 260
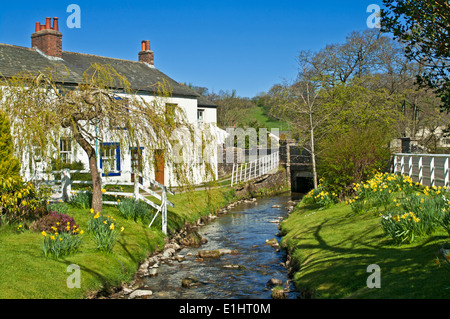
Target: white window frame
column 65, row 150
column 200, row 116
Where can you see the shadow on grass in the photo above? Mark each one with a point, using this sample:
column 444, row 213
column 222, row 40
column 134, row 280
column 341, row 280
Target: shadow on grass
column 334, row 265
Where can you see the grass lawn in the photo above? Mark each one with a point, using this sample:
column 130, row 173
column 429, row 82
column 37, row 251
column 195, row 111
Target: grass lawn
column 332, row 248
column 26, row 273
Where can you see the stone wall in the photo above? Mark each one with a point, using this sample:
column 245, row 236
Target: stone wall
column 264, row 185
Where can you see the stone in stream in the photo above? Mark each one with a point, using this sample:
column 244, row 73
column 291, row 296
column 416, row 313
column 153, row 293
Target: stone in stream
column 153, row 272
column 233, row 266
column 216, row 253
column 274, row 282
column 141, row 294
column 273, row 242
column 189, row 282
column 208, row 254
column 278, row 293
column 193, row 239
column 169, row 252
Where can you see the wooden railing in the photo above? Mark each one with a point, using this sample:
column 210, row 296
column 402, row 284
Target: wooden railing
column 253, row 169
column 427, row 169
column 63, row 191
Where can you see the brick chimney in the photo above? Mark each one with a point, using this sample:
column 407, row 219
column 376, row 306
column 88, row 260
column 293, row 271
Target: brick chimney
column 146, row 55
column 47, row 38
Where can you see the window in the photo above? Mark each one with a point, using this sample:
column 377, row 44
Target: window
column 200, row 114
column 65, row 150
column 110, row 158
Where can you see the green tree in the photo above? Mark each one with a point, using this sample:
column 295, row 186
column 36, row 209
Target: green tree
column 424, row 26
column 9, row 165
column 358, row 136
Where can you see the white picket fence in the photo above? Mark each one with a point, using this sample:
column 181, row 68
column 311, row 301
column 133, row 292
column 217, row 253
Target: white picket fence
column 427, row 169
column 63, row 191
column 253, row 169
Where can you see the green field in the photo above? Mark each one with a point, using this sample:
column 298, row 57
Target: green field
column 332, row 249
column 259, row 114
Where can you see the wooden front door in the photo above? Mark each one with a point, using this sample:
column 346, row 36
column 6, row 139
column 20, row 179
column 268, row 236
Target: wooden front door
column 159, row 166
column 136, row 164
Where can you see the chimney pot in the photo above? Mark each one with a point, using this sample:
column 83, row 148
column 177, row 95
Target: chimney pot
column 143, row 46
column 48, row 23
column 38, row 27
column 55, row 24
column 147, row 45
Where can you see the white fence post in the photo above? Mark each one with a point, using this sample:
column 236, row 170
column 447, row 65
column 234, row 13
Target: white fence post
column 66, row 187
column 410, row 164
column 402, row 165
column 164, row 211
column 232, row 174
column 432, row 181
column 136, row 189
column 395, row 164
column 446, row 178
column 420, row 170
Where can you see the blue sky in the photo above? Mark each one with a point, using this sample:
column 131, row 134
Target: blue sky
column 222, row 45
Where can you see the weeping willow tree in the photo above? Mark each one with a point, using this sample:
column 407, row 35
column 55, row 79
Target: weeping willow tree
column 101, row 107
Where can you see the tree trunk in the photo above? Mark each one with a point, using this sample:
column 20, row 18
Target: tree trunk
column 96, row 179
column 313, row 151
column 96, row 184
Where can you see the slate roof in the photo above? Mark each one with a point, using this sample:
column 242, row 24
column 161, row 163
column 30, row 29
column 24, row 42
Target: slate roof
column 70, row 68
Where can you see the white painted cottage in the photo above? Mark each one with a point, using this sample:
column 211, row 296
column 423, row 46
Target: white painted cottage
column 46, row 52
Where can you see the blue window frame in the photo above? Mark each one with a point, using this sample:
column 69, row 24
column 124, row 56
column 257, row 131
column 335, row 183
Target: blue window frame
column 110, row 158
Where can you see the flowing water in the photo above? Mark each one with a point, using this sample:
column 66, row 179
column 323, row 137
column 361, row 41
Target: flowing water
column 245, row 228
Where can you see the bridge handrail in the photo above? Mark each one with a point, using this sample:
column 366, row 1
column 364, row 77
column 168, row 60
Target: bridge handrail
column 399, row 159
column 254, row 169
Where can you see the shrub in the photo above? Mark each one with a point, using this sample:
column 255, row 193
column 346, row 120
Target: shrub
column 55, row 222
column 20, row 201
column 352, row 157
column 104, row 231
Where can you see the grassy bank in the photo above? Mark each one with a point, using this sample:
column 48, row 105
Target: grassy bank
column 332, row 248
column 26, row 273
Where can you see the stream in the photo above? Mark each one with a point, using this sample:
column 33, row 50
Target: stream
column 245, row 229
